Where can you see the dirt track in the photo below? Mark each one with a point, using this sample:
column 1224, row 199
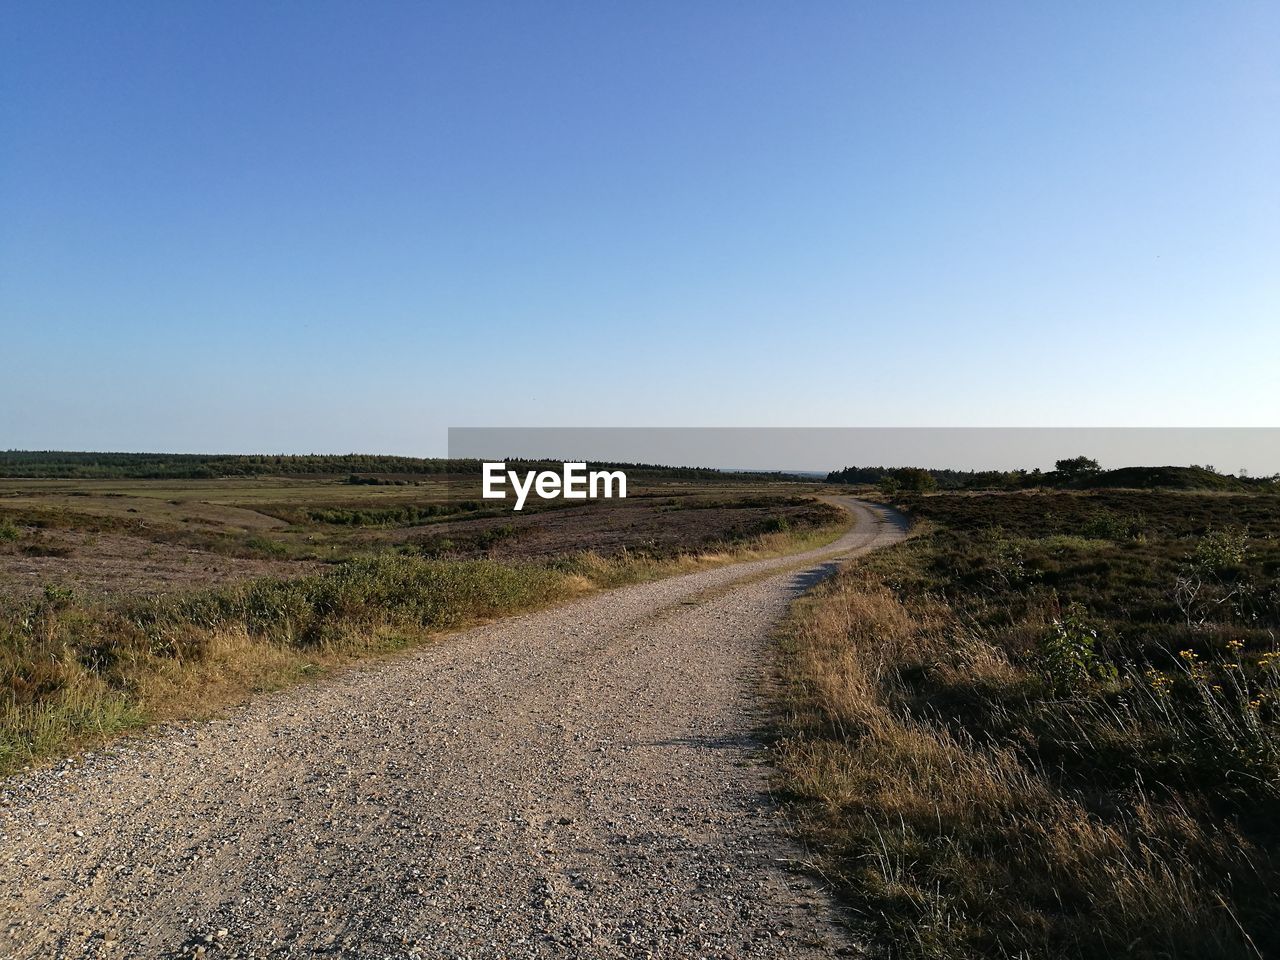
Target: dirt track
column 578, row 782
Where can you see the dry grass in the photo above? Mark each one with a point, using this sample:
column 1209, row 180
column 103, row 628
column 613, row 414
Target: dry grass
column 966, row 805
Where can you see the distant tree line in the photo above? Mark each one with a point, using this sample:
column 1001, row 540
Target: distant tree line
column 200, row 466
column 919, row 479
column 356, row 468
column 1071, row 472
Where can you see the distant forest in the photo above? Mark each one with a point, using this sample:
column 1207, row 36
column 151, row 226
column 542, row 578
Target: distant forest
column 201, row 466
column 1074, row 473
column 57, row 464
column 912, row 478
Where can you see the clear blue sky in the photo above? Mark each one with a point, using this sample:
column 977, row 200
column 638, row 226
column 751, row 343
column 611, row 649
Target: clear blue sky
column 329, row 227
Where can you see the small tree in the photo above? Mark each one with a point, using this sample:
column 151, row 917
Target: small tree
column 888, row 486
column 1068, row 652
column 916, row 480
column 1075, row 468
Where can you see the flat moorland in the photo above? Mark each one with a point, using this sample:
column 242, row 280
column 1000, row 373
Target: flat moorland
column 130, row 535
column 1048, row 725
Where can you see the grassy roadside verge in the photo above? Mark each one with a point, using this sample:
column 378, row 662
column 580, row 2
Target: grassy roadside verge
column 1046, row 729
column 75, row 672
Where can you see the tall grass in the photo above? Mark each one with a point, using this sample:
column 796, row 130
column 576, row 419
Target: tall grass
column 987, row 770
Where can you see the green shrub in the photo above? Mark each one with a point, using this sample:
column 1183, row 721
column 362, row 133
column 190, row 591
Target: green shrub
column 267, row 547
column 1219, row 550
column 1111, row 526
column 1068, row 653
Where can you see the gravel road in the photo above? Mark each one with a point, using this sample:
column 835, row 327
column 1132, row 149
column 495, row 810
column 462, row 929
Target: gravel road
column 582, row 781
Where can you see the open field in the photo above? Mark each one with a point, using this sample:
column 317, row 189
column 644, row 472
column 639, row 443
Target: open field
column 128, row 601
column 1048, row 725
column 153, row 535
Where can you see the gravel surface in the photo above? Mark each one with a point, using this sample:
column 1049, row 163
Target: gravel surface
column 578, row 782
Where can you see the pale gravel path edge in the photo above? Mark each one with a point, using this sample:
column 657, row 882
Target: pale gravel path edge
column 580, row 781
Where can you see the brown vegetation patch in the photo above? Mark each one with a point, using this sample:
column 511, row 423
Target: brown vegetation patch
column 114, row 562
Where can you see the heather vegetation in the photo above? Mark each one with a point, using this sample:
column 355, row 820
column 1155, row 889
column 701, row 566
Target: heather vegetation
column 1048, row 725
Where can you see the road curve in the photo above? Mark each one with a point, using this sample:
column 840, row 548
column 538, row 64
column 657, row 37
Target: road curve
column 582, row 781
